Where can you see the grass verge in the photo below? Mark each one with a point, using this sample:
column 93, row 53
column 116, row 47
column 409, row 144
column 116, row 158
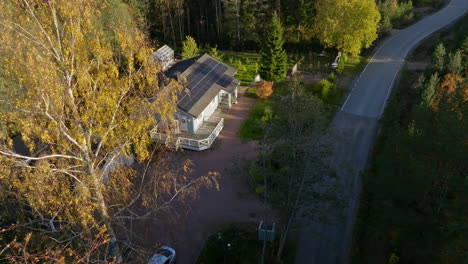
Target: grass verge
column 355, row 65
column 238, row 244
column 251, row 129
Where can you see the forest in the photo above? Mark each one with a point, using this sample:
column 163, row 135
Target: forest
column 414, row 201
column 241, row 24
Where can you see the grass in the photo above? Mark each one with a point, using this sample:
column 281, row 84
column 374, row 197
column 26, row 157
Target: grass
column 355, row 65
column 246, row 63
column 251, row 129
column 244, row 247
column 251, row 92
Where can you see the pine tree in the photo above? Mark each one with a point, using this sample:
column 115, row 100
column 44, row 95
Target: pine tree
column 455, row 65
column 439, row 57
column 273, row 56
column 428, row 93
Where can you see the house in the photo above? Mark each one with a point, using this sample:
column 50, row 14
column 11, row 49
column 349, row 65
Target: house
column 209, row 85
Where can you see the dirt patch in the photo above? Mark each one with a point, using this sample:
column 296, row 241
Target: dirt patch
column 233, row 203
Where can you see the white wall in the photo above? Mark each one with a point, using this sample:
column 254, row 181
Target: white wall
column 209, row 110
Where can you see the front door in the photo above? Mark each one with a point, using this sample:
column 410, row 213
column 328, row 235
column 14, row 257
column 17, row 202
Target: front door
column 183, row 123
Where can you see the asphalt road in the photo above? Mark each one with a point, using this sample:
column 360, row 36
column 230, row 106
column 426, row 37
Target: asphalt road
column 356, row 124
column 372, row 88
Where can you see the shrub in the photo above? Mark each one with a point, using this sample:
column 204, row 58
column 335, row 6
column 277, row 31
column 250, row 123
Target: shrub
column 341, row 64
column 240, row 66
column 264, row 89
column 214, row 52
column 189, row 48
column 255, row 67
column 267, row 114
column 326, row 88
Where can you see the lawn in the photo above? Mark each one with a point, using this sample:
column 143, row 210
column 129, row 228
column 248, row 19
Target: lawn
column 251, row 129
column 239, row 245
column 246, row 63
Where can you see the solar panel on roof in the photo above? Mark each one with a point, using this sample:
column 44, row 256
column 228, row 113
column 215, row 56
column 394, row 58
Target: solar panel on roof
column 225, row 80
column 201, row 80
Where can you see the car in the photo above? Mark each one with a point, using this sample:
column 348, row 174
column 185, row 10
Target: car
column 164, row 255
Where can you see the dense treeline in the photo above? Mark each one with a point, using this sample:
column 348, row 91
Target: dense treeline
column 415, row 197
column 240, row 24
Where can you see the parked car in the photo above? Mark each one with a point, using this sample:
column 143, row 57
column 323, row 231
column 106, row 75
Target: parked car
column 164, row 255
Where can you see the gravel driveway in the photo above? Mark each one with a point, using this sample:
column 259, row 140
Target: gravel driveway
column 233, row 203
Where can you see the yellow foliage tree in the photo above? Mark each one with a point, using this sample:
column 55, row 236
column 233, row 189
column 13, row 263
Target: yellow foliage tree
column 348, row 25
column 80, row 102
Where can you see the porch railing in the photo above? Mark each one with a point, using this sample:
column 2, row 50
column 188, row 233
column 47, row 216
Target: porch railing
column 191, row 143
column 202, row 144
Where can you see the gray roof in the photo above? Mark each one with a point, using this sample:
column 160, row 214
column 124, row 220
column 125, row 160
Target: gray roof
column 204, row 77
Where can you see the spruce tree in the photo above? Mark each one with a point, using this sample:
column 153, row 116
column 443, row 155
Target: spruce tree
column 273, row 57
column 439, row 58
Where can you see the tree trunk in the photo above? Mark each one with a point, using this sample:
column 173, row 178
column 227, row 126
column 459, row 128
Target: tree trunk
column 179, row 16
column 291, row 217
column 104, row 215
column 237, row 22
column 188, row 22
column 172, row 24
column 217, row 17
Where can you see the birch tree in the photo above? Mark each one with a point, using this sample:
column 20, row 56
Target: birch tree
column 78, row 102
column 348, row 25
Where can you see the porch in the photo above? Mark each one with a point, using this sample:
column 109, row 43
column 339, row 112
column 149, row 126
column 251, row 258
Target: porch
column 202, row 139
column 227, row 100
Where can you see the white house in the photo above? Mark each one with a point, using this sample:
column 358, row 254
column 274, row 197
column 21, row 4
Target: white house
column 209, row 84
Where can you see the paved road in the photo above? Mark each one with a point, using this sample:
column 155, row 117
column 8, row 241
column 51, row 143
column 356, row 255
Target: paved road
column 356, row 122
column 372, row 88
